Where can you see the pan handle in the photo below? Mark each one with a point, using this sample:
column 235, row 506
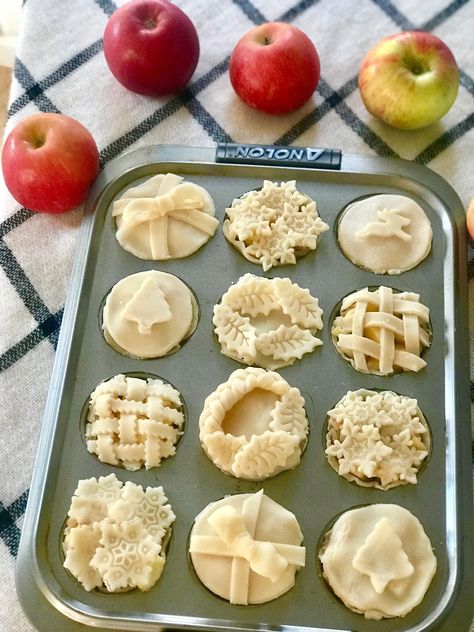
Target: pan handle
column 279, row 155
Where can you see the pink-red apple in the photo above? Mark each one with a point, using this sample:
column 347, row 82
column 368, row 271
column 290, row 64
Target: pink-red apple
column 409, row 80
column 151, row 47
column 275, row 68
column 470, row 218
column 49, row 162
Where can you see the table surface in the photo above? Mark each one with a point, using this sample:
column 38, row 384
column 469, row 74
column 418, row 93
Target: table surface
column 60, row 67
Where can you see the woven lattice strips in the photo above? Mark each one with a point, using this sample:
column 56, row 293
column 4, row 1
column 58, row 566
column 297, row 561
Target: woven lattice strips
column 381, row 332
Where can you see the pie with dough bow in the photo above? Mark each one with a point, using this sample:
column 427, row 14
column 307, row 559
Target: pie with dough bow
column 164, row 218
column 381, row 331
column 254, row 425
column 246, row 548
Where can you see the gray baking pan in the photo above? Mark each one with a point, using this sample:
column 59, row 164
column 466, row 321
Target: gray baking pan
column 313, row 491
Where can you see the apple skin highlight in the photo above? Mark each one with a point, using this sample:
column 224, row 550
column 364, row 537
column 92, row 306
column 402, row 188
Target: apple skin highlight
column 409, row 80
column 275, row 68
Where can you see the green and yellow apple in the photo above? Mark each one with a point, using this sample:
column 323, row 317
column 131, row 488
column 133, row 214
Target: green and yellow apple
column 409, row 80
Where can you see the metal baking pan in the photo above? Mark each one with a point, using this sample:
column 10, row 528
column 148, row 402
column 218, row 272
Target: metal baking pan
column 313, row 491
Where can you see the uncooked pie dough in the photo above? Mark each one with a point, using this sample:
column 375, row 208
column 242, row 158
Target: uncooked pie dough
column 267, row 322
column 246, row 548
column 274, row 225
column 134, row 422
column 115, row 533
column 254, row 425
column 148, row 314
column 378, row 560
column 164, row 218
column 377, row 439
column 385, row 233
column 380, row 331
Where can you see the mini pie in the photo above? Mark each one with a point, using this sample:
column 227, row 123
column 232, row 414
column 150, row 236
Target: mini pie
column 273, row 226
column 164, row 218
column 385, row 233
column 148, row 314
column 246, row 548
column 380, row 331
column 378, row 560
column 114, row 535
column 254, row 425
column 134, row 422
column 377, row 439
column 267, row 322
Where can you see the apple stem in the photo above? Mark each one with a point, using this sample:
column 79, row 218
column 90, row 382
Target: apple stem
column 38, row 141
column 150, row 23
column 266, row 41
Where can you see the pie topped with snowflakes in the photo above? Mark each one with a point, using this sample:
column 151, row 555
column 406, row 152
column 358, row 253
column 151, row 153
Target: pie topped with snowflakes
column 164, row 218
column 134, row 422
column 386, row 234
column 377, row 439
column 378, row 560
column 274, row 225
column 148, row 314
column 246, row 548
column 254, row 425
column 381, row 331
column 115, row 534
column 267, row 322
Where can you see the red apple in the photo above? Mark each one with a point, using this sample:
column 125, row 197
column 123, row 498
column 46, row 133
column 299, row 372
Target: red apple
column 470, row 218
column 49, row 162
column 151, row 47
column 275, row 68
column 409, row 80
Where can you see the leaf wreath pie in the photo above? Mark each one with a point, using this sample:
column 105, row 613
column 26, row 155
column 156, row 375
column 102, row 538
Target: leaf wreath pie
column 254, row 425
column 382, row 332
column 378, row 560
column 148, row 314
column 246, row 548
column 267, row 322
column 274, row 225
column 377, row 439
column 385, row 233
column 164, row 218
column 115, row 534
column 134, row 422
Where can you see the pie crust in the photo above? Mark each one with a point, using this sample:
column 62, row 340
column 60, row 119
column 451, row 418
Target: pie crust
column 246, row 548
column 381, row 331
column 134, row 422
column 377, row 439
column 378, row 560
column 115, row 533
column 254, row 425
column 148, row 314
column 164, row 218
column 274, row 225
column 267, row 322
column 386, row 234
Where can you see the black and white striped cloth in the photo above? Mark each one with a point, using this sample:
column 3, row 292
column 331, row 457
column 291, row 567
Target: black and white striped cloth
column 60, row 68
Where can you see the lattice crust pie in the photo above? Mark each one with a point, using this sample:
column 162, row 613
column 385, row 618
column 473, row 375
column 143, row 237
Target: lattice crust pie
column 385, row 233
column 382, row 332
column 267, row 322
column 377, row 439
column 148, row 314
column 134, row 422
column 254, row 425
column 164, row 218
column 115, row 533
column 246, row 548
column 275, row 225
column 378, row 560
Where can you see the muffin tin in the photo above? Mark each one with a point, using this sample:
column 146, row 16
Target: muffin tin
column 313, row 491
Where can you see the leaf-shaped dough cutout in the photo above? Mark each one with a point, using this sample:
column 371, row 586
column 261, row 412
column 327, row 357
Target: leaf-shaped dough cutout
column 235, row 333
column 222, row 448
column 251, row 295
column 287, row 343
column 288, row 414
column 298, row 304
column 264, row 454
